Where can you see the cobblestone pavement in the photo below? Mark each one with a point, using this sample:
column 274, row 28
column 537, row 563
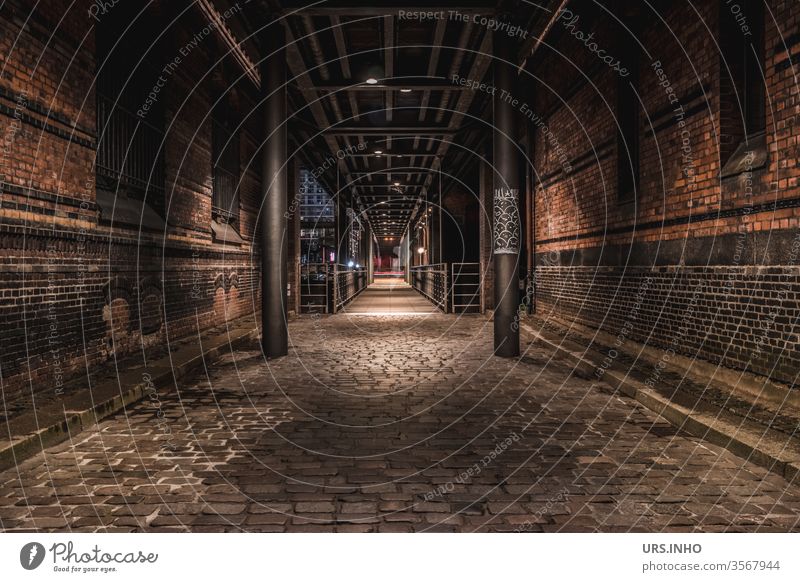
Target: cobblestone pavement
column 392, row 424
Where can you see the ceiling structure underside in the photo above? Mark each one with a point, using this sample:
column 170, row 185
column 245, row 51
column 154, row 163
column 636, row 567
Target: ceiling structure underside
column 371, row 88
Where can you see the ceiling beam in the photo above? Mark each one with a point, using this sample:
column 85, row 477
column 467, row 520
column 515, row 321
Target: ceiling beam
column 532, row 43
column 344, row 61
column 387, row 7
column 455, row 67
column 479, row 68
column 382, row 186
column 391, row 84
column 388, row 154
column 405, row 130
column 433, row 66
column 398, row 170
column 298, row 69
column 229, row 38
column 388, row 67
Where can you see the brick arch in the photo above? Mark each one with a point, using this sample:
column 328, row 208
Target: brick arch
column 149, row 304
column 232, row 280
column 219, row 282
column 117, row 313
column 118, row 287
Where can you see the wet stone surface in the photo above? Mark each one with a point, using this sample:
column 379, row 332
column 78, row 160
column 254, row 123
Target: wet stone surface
column 392, row 424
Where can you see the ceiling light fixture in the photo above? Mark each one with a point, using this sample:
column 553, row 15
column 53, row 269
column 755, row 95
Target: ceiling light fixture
column 404, row 90
column 371, row 72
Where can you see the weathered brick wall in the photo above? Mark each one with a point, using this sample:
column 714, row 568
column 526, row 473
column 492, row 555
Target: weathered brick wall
column 741, row 317
column 47, row 120
column 47, row 114
column 226, row 275
column 707, row 266
column 76, row 292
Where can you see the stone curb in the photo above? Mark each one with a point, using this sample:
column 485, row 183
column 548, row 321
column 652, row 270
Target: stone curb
column 77, row 421
column 745, row 385
column 733, row 438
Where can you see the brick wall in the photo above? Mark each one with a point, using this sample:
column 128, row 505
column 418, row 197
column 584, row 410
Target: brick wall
column 705, row 265
column 78, row 291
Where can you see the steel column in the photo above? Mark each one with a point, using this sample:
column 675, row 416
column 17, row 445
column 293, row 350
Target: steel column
column 506, row 239
column 342, row 232
column 274, row 232
column 371, row 268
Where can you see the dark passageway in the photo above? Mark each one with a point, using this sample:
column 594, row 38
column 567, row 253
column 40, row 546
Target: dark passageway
column 478, row 265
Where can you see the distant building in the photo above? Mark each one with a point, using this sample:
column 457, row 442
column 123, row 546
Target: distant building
column 316, row 204
column 318, row 232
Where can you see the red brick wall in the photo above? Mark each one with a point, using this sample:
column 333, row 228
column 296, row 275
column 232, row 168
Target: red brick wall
column 709, row 266
column 76, row 292
column 47, row 113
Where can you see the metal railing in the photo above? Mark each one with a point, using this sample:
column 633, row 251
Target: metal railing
column 457, row 287
column 431, row 281
column 326, row 288
column 315, row 290
column 466, row 288
column 348, row 283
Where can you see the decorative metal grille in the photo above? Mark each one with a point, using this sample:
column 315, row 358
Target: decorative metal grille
column 356, row 229
column 225, row 198
column 129, row 149
column 506, row 221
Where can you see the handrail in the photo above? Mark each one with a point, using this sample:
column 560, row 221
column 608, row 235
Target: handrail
column 431, row 282
column 349, row 282
column 315, row 287
column 466, row 287
column 327, row 287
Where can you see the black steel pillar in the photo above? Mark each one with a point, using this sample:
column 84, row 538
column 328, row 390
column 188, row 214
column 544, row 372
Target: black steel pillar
column 362, row 243
column 342, row 232
column 440, row 228
column 406, row 245
column 364, row 247
column 371, row 258
column 274, row 232
column 506, row 239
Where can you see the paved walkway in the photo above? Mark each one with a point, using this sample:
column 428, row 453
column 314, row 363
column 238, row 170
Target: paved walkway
column 389, row 296
column 392, row 423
